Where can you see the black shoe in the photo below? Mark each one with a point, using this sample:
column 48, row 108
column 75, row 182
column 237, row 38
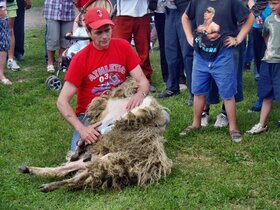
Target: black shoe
column 167, row 93
column 189, row 102
column 19, row 57
column 247, row 66
column 277, row 123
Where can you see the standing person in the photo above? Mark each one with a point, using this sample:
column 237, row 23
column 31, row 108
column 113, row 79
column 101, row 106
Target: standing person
column 133, row 19
column 4, row 41
column 101, row 66
column 59, row 15
column 269, row 81
column 12, row 13
column 19, row 28
column 259, row 50
column 177, row 51
column 213, row 56
column 159, row 15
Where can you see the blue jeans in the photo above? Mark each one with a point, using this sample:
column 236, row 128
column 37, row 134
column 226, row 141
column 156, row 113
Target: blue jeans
column 248, row 52
column 76, row 136
column 177, row 50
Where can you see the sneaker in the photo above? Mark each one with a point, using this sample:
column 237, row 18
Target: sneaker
column 256, row 129
column 256, row 107
column 222, row 121
column 204, row 119
column 167, row 93
column 183, row 87
column 189, row 102
column 50, row 69
column 152, row 89
column 12, row 65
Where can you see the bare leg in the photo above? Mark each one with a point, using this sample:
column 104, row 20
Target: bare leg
column 51, row 57
column 266, row 109
column 12, row 35
column 59, row 171
column 231, row 113
column 199, row 102
column 3, row 56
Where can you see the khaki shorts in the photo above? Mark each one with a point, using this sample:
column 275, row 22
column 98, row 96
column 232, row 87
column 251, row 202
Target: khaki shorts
column 56, row 30
column 12, row 9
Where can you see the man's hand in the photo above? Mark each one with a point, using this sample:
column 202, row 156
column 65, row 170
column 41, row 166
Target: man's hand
column 231, row 42
column 90, row 134
column 3, row 12
column 27, row 4
column 251, row 3
column 135, row 100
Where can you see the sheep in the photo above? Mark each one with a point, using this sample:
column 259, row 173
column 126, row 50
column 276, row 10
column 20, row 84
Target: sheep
column 130, row 150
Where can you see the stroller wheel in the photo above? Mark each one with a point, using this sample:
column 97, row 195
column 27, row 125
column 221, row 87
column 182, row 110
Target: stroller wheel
column 49, row 78
column 54, row 83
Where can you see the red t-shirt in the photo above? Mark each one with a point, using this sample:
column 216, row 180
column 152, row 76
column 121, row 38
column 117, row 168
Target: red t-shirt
column 94, row 71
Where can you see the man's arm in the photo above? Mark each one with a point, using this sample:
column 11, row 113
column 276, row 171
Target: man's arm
column 143, row 88
column 187, row 28
column 88, row 133
column 245, row 28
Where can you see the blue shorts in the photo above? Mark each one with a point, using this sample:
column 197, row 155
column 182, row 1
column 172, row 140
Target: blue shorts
column 269, row 81
column 76, row 136
column 5, row 36
column 221, row 69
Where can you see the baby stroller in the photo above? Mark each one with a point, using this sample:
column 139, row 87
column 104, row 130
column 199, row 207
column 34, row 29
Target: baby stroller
column 78, row 38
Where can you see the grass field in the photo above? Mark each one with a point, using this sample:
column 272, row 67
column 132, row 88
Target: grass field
column 209, row 172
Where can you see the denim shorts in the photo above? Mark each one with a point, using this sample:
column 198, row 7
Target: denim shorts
column 221, row 69
column 269, row 81
column 5, row 36
column 76, row 136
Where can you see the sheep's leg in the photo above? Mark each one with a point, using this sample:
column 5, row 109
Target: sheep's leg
column 59, row 171
column 78, row 181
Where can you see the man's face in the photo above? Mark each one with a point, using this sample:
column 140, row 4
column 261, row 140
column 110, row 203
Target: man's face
column 275, row 6
column 101, row 37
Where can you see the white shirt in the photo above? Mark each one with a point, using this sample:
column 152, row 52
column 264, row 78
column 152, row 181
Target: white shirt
column 133, row 8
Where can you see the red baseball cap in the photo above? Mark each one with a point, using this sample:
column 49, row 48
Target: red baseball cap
column 97, row 17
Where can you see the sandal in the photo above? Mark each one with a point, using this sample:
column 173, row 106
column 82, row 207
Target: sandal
column 188, row 130
column 6, row 81
column 235, row 136
column 50, row 69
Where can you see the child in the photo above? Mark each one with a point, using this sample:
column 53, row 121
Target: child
column 269, row 81
column 12, row 13
column 4, row 41
column 213, row 56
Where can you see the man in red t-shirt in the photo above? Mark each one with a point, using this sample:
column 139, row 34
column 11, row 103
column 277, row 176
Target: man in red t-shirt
column 102, row 65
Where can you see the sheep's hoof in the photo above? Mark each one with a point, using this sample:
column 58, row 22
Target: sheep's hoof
column 24, row 170
column 44, row 188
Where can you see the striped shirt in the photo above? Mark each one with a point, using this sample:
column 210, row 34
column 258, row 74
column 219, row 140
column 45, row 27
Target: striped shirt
column 59, row 10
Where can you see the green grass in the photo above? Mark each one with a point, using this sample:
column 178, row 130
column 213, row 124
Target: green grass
column 210, row 172
column 37, row 3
